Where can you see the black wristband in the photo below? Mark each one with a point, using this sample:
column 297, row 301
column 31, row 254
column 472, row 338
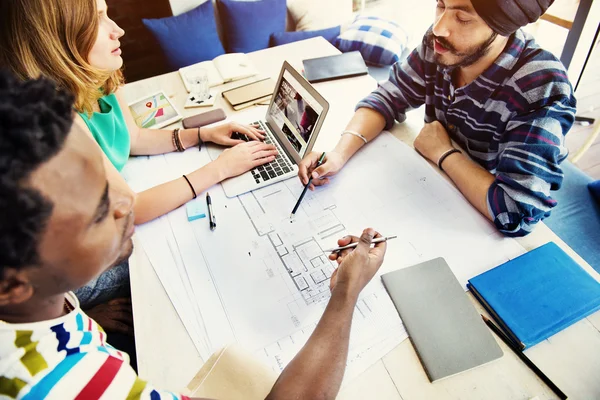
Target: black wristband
column 191, row 187
column 200, row 142
column 174, row 140
column 445, row 155
column 177, row 140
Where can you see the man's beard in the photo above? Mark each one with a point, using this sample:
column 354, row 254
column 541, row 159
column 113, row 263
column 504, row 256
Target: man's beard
column 127, row 244
column 469, row 57
column 126, row 252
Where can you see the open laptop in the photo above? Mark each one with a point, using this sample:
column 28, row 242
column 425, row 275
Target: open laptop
column 292, row 123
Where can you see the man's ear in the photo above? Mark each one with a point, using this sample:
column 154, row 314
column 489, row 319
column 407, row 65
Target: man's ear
column 15, row 287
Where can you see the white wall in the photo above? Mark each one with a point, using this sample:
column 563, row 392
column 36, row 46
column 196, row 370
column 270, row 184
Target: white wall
column 585, row 44
column 181, row 6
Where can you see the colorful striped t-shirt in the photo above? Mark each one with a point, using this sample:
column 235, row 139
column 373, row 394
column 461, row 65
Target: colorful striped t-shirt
column 67, row 358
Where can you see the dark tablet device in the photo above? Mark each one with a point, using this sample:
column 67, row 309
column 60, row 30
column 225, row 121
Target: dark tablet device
column 343, row 65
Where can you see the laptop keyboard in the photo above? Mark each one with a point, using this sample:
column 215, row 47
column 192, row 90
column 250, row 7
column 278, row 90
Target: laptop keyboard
column 279, row 166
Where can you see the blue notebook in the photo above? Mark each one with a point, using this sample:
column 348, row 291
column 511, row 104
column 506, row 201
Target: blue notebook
column 538, row 294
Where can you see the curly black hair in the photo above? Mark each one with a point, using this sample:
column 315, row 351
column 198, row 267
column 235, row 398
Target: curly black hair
column 35, row 119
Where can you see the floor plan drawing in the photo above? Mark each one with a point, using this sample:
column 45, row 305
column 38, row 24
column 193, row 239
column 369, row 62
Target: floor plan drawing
column 262, row 279
column 304, row 260
column 310, row 269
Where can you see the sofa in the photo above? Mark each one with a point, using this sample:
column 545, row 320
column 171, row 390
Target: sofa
column 144, row 55
column 576, row 218
column 205, row 29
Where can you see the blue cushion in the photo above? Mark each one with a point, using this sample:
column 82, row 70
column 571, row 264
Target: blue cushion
column 576, row 218
column 381, row 42
column 279, row 38
column 188, row 38
column 249, row 24
column 380, row 73
column 595, row 189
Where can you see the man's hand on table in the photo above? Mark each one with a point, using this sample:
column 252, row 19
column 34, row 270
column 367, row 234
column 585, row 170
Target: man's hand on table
column 114, row 316
column 221, row 134
column 357, row 266
column 332, row 164
column 433, row 141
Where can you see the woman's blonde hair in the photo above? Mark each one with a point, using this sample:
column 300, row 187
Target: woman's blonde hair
column 53, row 38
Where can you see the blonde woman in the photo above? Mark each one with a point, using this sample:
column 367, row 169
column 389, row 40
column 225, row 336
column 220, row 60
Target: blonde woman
column 76, row 44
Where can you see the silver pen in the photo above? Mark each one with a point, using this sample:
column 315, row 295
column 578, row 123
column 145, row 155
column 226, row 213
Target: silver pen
column 352, row 245
column 212, row 219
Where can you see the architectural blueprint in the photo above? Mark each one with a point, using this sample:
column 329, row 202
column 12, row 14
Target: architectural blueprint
column 262, row 279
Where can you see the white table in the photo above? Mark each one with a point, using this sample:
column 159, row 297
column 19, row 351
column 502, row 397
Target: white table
column 168, row 359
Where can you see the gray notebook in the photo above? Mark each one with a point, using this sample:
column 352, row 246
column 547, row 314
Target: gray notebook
column 446, row 330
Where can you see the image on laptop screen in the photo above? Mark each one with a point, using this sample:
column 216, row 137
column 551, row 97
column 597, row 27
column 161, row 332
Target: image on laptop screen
column 295, row 112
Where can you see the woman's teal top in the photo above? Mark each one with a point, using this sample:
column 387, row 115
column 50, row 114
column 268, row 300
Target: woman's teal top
column 110, row 130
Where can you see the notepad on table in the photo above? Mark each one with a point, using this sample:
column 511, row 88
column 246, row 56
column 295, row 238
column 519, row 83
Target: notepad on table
column 250, row 93
column 444, row 326
column 196, row 209
column 222, row 69
column 538, row 294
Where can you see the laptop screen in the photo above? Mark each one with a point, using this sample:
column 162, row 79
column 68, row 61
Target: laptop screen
column 295, row 112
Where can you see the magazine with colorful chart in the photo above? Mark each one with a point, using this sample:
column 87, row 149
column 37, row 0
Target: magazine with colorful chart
column 154, row 111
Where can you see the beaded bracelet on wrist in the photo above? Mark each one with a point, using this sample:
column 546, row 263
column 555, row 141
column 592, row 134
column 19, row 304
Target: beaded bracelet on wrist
column 445, row 155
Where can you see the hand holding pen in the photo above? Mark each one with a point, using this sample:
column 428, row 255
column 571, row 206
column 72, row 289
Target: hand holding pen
column 309, row 168
column 358, row 264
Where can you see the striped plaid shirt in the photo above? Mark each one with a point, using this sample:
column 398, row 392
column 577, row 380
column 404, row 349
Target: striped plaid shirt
column 512, row 120
column 67, row 358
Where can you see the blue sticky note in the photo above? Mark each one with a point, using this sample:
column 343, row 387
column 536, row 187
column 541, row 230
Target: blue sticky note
column 196, row 209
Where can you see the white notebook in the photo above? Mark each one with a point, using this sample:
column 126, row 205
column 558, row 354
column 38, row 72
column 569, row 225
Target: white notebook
column 222, row 69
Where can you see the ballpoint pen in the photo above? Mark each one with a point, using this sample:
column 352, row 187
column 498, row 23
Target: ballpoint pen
column 321, row 159
column 352, row 245
column 212, row 220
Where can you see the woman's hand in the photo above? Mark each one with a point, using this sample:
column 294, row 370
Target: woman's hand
column 221, row 134
column 243, row 157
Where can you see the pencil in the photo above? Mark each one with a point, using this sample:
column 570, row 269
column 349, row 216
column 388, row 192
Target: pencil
column 321, row 159
column 352, row 245
column 524, row 358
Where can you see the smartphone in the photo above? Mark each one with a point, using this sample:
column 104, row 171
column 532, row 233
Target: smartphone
column 204, row 118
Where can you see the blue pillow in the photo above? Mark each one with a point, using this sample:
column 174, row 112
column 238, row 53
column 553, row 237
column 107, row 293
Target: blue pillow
column 595, row 189
column 279, row 38
column 188, row 38
column 381, row 42
column 249, row 24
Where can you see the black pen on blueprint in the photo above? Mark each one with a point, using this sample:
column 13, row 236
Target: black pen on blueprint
column 321, row 159
column 212, row 220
